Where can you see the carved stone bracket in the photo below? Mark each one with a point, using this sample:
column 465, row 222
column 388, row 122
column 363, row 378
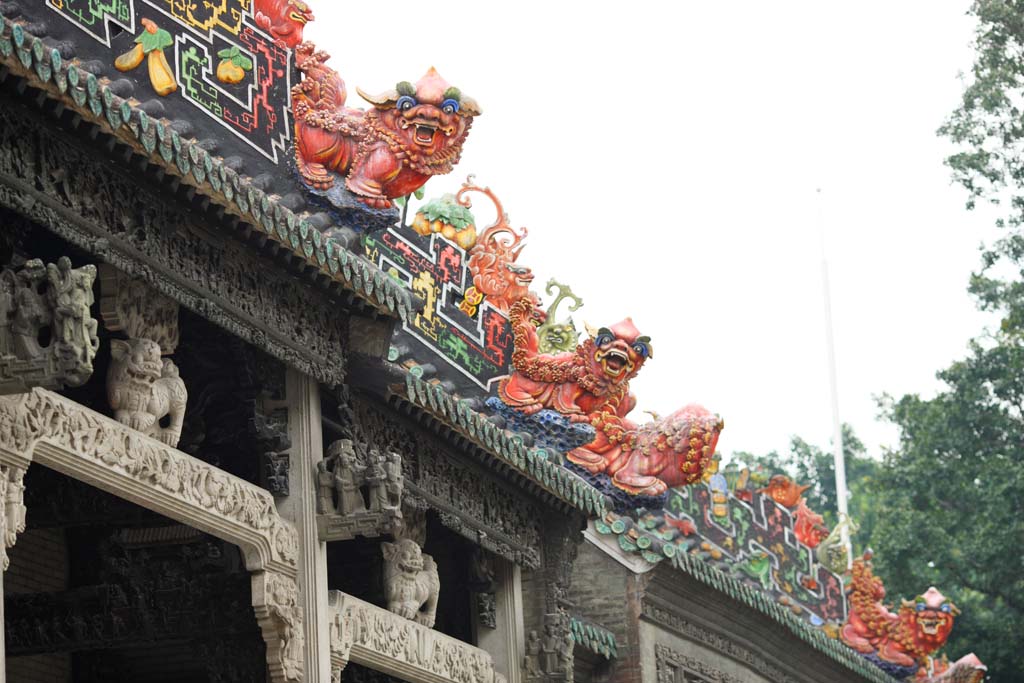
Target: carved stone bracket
column 374, row 637
column 344, row 512
column 129, row 305
column 12, row 508
column 47, row 428
column 142, row 388
column 47, row 335
column 275, row 599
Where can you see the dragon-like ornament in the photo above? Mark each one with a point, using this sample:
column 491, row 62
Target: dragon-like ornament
column 283, row 19
column 902, row 644
column 591, row 385
column 412, row 132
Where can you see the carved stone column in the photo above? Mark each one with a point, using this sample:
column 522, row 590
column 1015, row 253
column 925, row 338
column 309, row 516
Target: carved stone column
column 561, row 545
column 12, row 522
column 303, row 398
column 505, row 640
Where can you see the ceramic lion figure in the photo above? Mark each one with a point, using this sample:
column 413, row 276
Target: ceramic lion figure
column 411, row 584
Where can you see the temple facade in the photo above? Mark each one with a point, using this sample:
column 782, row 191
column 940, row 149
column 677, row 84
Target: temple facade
column 261, row 422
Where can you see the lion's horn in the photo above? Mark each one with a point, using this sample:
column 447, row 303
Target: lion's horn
column 385, row 99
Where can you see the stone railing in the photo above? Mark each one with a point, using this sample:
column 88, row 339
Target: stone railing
column 376, row 638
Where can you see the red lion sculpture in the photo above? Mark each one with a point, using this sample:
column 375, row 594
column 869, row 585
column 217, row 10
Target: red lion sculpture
column 591, row 384
column 907, row 638
column 283, row 19
column 412, row 133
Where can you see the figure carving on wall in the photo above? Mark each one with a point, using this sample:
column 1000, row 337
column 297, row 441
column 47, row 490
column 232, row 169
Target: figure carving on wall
column 143, row 389
column 411, row 583
column 324, row 489
column 37, row 299
column 531, row 662
column 349, row 468
column 550, row 648
column 347, row 475
column 377, row 480
column 395, row 480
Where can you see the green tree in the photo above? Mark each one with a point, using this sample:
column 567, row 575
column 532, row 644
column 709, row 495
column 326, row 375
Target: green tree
column 950, row 498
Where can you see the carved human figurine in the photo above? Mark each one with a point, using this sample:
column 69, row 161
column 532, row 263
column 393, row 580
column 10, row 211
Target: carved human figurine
column 8, row 287
column 347, row 477
column 550, row 649
column 531, row 662
column 395, row 480
column 411, row 583
column 377, row 479
column 324, row 489
column 142, row 389
column 71, row 291
column 30, row 314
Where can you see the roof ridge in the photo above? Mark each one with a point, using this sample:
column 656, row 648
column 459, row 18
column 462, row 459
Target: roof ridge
column 95, row 100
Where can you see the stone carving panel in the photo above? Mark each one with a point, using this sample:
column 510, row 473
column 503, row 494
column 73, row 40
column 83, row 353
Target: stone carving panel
column 75, row 440
column 142, row 387
column 675, row 667
column 368, row 635
column 468, row 499
column 47, row 333
column 218, row 278
column 275, row 598
column 675, row 622
column 12, row 508
column 343, row 512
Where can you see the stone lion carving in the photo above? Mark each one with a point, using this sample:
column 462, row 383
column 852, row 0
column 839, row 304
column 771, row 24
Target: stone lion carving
column 144, row 388
column 411, row 584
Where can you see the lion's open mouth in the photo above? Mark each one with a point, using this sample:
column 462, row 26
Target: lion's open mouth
column 929, row 625
column 411, row 567
column 614, row 362
column 424, row 134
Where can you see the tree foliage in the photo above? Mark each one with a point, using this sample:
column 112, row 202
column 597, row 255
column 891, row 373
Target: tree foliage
column 950, row 498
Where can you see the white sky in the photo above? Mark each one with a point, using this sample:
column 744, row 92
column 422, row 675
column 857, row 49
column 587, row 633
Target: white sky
column 665, row 156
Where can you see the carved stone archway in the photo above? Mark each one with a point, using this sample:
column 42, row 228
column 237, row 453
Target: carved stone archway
column 43, row 427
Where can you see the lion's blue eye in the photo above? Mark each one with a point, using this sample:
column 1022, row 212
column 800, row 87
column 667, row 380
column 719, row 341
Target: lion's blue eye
column 405, row 103
column 946, row 608
column 603, row 339
column 920, row 607
column 641, row 349
column 449, row 106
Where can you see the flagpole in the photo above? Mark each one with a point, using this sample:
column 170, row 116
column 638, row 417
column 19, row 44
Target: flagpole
column 837, row 428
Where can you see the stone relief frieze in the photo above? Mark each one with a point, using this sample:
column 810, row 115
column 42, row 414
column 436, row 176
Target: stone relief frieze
column 687, row 629
column 47, row 333
column 48, row 428
column 107, row 212
column 276, row 603
column 369, row 635
column 675, row 667
column 468, row 500
column 75, row 432
column 343, row 512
